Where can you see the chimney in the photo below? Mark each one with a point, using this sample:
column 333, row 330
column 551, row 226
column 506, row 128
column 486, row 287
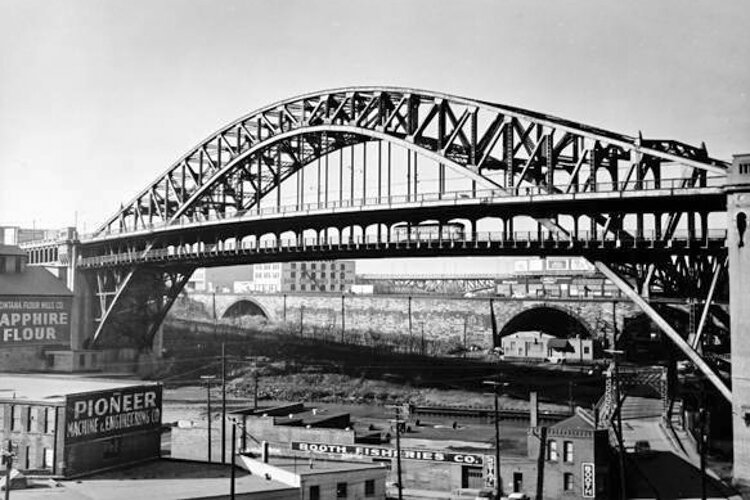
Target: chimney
column 533, row 409
column 264, row 452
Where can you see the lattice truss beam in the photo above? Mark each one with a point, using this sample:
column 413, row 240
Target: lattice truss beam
column 230, row 172
column 228, row 175
column 137, row 314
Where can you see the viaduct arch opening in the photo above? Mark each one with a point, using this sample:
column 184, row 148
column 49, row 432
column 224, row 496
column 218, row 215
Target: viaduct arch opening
column 549, row 320
column 245, row 307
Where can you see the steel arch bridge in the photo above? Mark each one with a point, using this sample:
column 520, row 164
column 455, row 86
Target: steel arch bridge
column 351, row 172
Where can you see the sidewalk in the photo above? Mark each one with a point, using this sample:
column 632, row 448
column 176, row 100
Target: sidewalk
column 671, row 469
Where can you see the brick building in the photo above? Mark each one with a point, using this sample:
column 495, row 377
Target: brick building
column 569, row 459
column 67, row 427
column 35, row 313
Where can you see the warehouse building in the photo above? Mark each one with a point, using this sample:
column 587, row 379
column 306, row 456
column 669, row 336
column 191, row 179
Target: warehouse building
column 64, row 426
column 567, row 460
column 35, row 313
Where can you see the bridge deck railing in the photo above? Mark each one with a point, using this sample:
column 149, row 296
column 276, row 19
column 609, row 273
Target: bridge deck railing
column 525, row 194
column 519, row 239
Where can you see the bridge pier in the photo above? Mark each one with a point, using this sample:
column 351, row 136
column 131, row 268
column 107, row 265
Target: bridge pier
column 738, row 243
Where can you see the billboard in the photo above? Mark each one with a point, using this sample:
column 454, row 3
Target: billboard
column 383, row 452
column 26, row 321
column 93, row 415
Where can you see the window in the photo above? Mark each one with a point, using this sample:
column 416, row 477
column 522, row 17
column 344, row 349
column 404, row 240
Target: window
column 552, row 450
column 568, row 481
column 29, row 419
column 294, row 265
column 341, row 490
column 49, row 458
column 315, row 492
column 15, row 416
column 294, row 274
column 312, row 266
column 49, row 420
column 303, row 266
column 292, row 287
column 27, row 457
column 586, row 349
column 568, row 451
column 370, row 488
column 323, row 275
column 302, row 287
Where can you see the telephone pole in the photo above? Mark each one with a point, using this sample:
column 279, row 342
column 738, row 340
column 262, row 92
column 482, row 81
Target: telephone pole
column 498, row 481
column 398, row 422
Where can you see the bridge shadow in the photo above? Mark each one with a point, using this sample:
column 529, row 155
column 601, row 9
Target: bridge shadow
column 283, row 353
column 662, row 474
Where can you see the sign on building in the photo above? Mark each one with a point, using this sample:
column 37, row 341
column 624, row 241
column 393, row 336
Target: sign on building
column 26, row 321
column 588, row 480
column 101, row 414
column 383, row 452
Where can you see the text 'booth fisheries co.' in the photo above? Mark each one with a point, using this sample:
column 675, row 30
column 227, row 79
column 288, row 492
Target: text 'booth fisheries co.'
column 95, row 415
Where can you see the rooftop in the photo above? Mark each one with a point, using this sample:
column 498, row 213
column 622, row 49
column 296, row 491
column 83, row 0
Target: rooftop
column 35, row 281
column 10, row 250
column 163, row 479
column 306, row 467
column 54, row 388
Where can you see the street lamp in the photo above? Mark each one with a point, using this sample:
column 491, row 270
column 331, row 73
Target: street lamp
column 208, row 379
column 498, row 482
column 616, row 353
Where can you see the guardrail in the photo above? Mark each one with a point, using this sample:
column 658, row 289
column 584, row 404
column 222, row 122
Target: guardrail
column 670, row 187
column 516, row 240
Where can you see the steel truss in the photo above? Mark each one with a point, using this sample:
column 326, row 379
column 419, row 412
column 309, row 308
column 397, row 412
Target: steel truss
column 236, row 174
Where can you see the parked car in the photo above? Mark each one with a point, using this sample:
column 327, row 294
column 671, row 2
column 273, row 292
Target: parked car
column 472, row 493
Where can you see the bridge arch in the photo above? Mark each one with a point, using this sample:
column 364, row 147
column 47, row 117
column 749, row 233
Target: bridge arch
column 551, row 319
column 246, row 307
column 233, row 169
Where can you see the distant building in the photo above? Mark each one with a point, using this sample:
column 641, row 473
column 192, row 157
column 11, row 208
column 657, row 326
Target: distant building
column 15, row 235
column 197, row 281
column 541, row 346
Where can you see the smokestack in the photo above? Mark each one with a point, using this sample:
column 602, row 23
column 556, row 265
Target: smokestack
column 264, row 452
column 533, row 409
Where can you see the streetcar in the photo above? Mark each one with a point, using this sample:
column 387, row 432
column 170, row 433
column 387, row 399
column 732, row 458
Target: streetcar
column 428, row 232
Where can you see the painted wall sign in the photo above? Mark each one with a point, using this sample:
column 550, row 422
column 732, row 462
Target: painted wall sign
column 588, row 484
column 95, row 415
column 28, row 321
column 382, row 452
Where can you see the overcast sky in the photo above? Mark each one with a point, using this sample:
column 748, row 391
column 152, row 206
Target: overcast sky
column 98, row 97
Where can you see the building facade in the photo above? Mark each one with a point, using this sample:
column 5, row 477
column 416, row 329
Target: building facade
column 66, row 427
column 35, row 313
column 541, row 346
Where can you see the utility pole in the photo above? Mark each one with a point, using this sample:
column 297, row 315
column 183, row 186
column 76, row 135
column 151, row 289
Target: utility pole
column 223, row 402
column 255, row 390
column 398, row 422
column 343, row 318
column 498, row 480
column 8, row 460
column 234, row 474
column 208, row 379
column 301, row 319
column 621, row 455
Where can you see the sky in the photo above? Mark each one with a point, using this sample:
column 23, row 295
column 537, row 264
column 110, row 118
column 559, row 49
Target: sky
column 99, row 97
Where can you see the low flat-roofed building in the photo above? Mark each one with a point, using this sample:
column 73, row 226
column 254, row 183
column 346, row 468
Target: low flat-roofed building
column 322, row 479
column 65, row 426
column 167, row 479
